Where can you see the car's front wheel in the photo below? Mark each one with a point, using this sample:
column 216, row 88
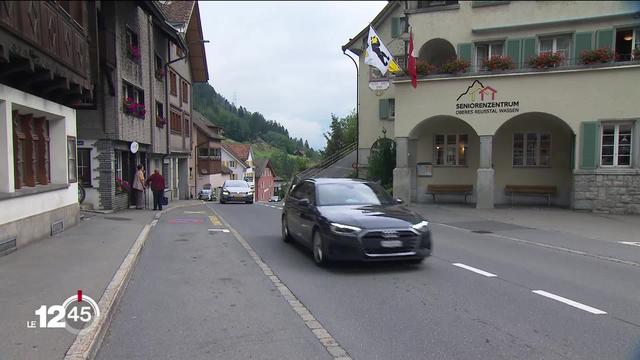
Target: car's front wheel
column 319, row 254
column 286, row 237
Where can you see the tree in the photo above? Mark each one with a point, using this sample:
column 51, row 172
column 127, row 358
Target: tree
column 382, row 161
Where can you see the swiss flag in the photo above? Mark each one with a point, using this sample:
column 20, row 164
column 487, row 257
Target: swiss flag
column 412, row 63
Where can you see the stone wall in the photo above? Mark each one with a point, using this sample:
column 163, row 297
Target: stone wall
column 607, row 193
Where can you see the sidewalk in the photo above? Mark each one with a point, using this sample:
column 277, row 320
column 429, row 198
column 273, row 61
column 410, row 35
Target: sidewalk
column 598, row 234
column 50, row 270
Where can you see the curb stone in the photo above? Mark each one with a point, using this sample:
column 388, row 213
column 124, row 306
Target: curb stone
column 86, row 346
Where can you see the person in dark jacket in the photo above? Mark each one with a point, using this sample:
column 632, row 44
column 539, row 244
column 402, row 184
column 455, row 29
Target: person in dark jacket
column 157, row 187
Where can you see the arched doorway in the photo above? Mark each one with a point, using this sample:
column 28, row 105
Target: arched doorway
column 437, row 52
column 449, row 148
column 534, row 149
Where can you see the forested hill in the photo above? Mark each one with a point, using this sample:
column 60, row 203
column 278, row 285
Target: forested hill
column 241, row 125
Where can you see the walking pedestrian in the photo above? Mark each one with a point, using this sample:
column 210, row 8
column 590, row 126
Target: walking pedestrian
column 157, row 187
column 138, row 185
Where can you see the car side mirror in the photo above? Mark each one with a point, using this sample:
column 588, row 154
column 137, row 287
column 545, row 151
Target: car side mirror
column 304, row 203
column 399, row 201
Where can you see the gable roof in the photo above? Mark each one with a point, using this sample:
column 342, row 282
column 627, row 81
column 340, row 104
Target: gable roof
column 185, row 16
column 234, row 156
column 262, row 164
column 382, row 15
column 203, row 124
column 239, row 151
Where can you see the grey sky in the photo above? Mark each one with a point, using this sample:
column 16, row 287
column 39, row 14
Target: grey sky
column 283, row 59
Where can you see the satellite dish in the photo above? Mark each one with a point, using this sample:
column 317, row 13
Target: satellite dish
column 134, row 147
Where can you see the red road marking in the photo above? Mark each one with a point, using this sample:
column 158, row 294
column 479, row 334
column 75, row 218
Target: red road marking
column 79, row 295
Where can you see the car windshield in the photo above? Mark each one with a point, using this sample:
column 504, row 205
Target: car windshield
column 236, row 183
column 352, row 194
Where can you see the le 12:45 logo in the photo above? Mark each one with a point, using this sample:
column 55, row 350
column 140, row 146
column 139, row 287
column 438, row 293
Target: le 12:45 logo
column 77, row 314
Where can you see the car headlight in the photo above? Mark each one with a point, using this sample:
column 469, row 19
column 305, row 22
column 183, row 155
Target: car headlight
column 342, row 229
column 422, row 226
column 225, row 192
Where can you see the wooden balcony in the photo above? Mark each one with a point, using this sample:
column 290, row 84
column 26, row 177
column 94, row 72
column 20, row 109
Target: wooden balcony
column 44, row 51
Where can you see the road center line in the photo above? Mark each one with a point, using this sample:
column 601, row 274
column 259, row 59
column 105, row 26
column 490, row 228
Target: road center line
column 575, row 304
column 477, row 271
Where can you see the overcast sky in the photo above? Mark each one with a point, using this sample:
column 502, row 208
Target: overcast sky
column 284, row 59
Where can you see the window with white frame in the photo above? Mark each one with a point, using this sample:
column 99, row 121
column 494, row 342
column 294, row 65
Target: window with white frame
column 615, row 148
column 556, row 44
column 451, row 149
column 531, row 149
column 232, row 163
column 392, row 109
column 487, row 51
column 118, row 164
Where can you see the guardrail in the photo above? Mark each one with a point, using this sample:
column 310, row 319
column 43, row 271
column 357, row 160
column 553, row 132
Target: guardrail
column 332, row 159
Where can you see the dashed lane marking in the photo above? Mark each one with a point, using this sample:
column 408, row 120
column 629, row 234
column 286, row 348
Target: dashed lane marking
column 219, row 230
column 632, row 243
column 332, row 346
column 570, row 302
column 195, row 212
column 475, row 270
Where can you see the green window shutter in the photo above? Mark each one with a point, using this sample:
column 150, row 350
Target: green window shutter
column 513, row 51
column 464, row 51
column 395, row 27
column 583, row 41
column 384, row 108
column 604, row 38
column 589, row 145
column 528, row 50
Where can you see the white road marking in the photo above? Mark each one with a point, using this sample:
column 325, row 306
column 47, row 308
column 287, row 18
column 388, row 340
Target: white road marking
column 477, row 271
column 576, row 304
column 633, row 243
column 219, row 230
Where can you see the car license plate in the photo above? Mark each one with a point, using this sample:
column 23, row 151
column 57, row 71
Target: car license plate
column 391, row 243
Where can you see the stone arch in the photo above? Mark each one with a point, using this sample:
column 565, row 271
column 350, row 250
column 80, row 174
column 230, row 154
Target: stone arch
column 437, row 52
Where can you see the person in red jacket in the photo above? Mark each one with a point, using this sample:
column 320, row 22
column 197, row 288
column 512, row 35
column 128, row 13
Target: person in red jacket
column 157, row 187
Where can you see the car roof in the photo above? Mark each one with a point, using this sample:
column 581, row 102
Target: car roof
column 336, row 180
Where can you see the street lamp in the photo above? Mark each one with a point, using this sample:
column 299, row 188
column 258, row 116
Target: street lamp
column 356, row 52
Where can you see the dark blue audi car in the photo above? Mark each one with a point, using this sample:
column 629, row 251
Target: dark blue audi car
column 351, row 219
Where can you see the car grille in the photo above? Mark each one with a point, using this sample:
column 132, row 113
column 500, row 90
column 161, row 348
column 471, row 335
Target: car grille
column 371, row 242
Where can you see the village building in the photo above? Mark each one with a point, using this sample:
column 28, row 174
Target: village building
column 559, row 124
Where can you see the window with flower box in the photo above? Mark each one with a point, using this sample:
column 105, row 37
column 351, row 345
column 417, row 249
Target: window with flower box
column 616, row 142
column 560, row 44
column 133, row 46
column 133, row 101
column 487, row 51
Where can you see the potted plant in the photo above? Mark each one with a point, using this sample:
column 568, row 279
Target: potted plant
column 160, row 122
column 122, row 185
column 134, row 52
column 160, row 73
column 498, row 62
column 596, row 56
column 547, row 60
column 424, row 68
column 455, row 66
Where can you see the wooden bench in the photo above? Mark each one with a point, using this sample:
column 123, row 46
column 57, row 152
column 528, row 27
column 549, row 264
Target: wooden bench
column 532, row 190
column 465, row 190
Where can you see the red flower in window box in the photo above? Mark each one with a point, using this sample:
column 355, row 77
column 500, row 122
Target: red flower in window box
column 424, row 68
column 160, row 121
column 547, row 60
column 122, row 185
column 455, row 66
column 498, row 62
column 134, row 52
column 596, row 56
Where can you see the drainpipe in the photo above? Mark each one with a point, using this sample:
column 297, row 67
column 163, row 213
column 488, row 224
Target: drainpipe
column 357, row 116
column 152, row 83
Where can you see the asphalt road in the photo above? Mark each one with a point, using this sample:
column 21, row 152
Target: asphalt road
column 198, row 294
column 484, row 307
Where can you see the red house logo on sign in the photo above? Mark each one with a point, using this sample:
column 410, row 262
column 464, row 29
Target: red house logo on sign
column 480, row 99
column 486, row 92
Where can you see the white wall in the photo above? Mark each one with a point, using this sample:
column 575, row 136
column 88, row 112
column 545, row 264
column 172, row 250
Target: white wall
column 62, row 123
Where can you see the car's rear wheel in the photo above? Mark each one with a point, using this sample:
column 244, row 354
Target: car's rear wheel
column 286, row 237
column 319, row 254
